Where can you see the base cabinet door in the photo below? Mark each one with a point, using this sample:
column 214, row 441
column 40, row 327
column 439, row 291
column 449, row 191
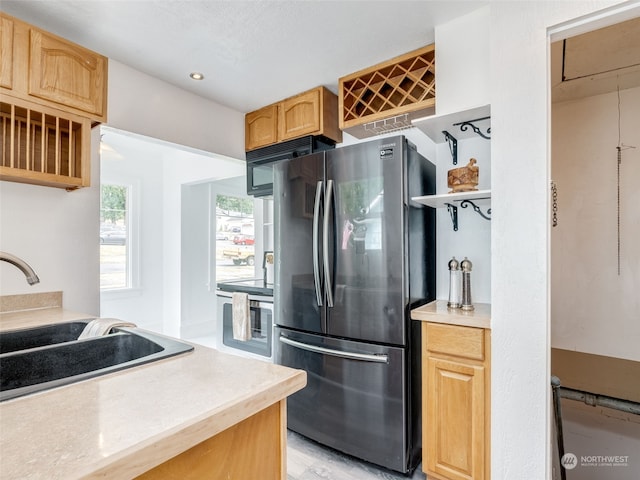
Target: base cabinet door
column 455, row 426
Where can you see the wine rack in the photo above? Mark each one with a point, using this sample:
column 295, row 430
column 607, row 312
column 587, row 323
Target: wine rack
column 389, row 95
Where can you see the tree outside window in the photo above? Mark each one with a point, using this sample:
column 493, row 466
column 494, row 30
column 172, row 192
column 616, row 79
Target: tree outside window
column 114, row 234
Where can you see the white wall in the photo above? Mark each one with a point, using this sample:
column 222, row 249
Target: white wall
column 519, row 76
column 159, row 171
column 53, row 230
column 593, row 309
column 56, row 232
column 462, row 62
column 142, row 167
column 145, row 105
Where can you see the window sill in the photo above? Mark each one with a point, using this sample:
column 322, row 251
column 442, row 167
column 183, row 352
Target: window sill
column 120, row 293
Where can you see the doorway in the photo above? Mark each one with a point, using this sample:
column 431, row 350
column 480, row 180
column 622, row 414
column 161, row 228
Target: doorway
column 595, row 264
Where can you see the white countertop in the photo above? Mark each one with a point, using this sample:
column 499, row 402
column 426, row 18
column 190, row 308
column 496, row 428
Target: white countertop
column 438, row 312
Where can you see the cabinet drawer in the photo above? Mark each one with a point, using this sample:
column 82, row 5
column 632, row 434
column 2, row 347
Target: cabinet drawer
column 467, row 342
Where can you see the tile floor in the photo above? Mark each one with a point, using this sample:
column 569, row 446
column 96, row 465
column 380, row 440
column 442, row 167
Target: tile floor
column 307, row 460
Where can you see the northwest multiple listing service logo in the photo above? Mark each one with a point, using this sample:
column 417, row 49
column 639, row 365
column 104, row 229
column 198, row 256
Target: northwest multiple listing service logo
column 569, row 461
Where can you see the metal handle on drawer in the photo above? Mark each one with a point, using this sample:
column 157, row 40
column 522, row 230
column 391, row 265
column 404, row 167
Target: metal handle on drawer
column 316, row 221
column 367, row 357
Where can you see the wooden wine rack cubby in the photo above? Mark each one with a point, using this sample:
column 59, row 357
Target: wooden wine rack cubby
column 42, row 146
column 389, row 95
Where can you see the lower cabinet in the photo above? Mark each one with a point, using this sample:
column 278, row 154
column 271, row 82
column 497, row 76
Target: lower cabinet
column 456, row 401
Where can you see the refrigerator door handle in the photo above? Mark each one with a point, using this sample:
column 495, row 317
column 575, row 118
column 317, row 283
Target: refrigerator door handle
column 316, row 241
column 366, row 357
column 325, row 243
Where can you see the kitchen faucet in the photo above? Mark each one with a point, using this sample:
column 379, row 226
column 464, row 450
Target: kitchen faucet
column 24, row 267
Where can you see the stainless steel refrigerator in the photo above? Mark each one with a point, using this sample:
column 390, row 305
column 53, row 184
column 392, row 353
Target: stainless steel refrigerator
column 353, row 255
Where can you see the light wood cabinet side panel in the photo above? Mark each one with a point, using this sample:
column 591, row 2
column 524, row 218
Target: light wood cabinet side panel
column 66, row 73
column 329, row 120
column 487, row 404
column 253, row 448
column 300, row 115
column 6, row 52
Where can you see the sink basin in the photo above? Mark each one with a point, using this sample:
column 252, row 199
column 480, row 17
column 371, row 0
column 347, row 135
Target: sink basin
column 50, row 356
column 40, row 336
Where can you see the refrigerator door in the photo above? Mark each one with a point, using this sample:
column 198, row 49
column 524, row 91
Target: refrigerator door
column 366, row 264
column 299, row 195
column 355, row 398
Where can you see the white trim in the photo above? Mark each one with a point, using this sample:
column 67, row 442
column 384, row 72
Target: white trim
column 577, row 26
column 588, row 23
column 133, row 239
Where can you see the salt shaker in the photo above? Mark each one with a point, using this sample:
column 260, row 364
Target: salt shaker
column 466, row 284
column 454, row 284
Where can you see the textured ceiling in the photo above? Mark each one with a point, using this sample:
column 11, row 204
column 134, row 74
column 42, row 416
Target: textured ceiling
column 252, row 53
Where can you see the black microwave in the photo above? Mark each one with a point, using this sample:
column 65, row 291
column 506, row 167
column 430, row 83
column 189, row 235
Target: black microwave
column 261, row 160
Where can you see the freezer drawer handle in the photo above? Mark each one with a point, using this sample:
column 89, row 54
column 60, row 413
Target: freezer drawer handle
column 367, row 357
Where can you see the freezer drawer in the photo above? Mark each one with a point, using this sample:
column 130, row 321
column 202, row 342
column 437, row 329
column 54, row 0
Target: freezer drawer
column 355, row 399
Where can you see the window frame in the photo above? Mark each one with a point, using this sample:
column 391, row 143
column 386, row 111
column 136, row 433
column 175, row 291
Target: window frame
column 132, row 224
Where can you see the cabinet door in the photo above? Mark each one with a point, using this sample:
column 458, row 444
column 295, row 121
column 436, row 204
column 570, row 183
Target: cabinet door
column 300, row 115
column 455, row 430
column 261, row 127
column 66, row 73
column 6, row 52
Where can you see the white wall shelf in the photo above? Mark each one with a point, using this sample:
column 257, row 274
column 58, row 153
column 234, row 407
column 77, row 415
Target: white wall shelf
column 433, row 125
column 462, row 199
column 456, row 126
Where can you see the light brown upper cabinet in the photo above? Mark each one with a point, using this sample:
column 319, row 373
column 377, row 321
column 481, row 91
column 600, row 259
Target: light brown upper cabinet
column 52, row 92
column 39, row 66
column 314, row 112
column 6, row 52
column 261, row 127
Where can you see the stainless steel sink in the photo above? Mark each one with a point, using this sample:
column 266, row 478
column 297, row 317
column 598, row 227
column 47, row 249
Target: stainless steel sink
column 41, row 358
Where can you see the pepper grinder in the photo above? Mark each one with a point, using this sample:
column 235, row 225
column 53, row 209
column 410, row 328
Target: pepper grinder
column 466, row 284
column 454, row 284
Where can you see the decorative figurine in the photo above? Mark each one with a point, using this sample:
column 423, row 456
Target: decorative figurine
column 464, row 179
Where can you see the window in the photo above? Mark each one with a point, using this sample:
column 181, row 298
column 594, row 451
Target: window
column 115, row 261
column 235, row 238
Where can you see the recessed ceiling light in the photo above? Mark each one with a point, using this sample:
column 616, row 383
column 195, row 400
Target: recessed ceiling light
column 196, row 76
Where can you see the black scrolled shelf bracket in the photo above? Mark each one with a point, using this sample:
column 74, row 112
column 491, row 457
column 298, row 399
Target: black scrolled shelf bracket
column 453, row 146
column 453, row 212
column 476, row 208
column 464, row 126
